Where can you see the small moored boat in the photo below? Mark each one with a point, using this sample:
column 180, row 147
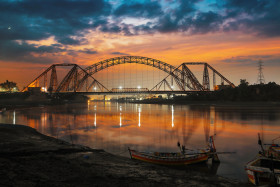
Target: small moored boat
column 170, row 158
column 263, row 170
column 185, row 157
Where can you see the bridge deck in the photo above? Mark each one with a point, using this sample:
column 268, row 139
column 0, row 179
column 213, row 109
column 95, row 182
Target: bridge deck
column 137, row 93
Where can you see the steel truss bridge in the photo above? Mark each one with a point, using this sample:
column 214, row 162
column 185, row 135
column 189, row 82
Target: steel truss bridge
column 82, row 80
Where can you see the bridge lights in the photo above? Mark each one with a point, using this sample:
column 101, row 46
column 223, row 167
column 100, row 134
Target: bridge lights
column 43, row 89
column 138, row 87
column 94, row 88
column 120, row 87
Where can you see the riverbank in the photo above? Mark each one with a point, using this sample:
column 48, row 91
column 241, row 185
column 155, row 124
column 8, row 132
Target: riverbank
column 166, row 101
column 213, row 103
column 20, row 100
column 28, row 158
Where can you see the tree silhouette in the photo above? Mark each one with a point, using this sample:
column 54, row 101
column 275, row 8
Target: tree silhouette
column 9, row 86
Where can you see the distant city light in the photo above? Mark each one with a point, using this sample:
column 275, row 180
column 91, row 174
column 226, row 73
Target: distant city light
column 44, row 89
column 138, row 87
column 120, row 87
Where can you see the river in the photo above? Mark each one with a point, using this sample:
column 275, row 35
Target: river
column 115, row 126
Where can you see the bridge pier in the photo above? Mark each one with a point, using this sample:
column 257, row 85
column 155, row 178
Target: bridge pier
column 168, row 95
column 104, row 98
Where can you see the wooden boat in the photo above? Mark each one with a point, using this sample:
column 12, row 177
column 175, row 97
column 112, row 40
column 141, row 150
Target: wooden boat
column 170, row 158
column 263, row 170
column 176, row 158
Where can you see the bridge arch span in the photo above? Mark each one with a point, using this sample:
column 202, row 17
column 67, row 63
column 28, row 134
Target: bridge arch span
column 173, row 71
column 77, row 78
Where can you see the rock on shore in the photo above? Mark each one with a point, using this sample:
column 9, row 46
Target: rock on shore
column 28, row 158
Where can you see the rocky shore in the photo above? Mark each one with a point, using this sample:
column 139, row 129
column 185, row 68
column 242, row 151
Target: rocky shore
column 28, row 158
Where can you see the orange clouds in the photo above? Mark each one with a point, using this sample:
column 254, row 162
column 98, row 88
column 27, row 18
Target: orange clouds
column 224, row 51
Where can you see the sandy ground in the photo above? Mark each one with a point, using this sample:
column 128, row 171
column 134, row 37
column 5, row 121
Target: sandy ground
column 28, row 158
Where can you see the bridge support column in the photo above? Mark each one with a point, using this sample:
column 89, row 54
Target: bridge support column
column 168, row 95
column 104, row 97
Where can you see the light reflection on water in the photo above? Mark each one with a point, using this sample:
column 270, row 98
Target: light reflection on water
column 116, row 126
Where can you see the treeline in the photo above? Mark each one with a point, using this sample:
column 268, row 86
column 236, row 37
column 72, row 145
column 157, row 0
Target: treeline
column 243, row 92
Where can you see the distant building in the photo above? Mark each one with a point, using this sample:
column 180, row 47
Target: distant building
column 35, row 90
column 221, row 87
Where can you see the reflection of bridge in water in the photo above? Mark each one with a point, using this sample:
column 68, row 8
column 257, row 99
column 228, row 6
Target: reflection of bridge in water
column 177, row 80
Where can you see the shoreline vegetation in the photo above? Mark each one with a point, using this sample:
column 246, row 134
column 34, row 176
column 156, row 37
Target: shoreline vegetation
column 29, row 158
column 244, row 94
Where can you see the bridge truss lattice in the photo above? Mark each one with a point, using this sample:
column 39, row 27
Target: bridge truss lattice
column 75, row 80
column 79, row 79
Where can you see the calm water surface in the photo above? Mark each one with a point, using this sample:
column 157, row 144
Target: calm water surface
column 116, row 126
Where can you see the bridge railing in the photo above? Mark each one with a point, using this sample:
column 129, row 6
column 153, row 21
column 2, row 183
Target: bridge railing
column 129, row 90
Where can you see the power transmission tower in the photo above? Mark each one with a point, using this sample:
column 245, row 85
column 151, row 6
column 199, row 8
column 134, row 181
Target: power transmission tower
column 260, row 74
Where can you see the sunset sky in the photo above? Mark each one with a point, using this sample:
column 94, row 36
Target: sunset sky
column 231, row 35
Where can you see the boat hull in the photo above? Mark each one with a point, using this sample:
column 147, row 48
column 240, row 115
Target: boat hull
column 174, row 159
column 260, row 172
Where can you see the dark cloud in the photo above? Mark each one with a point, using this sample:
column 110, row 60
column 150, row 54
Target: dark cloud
column 68, row 21
column 206, row 22
column 119, row 53
column 185, row 8
column 260, row 17
column 166, row 24
column 12, row 48
column 63, row 19
column 201, row 23
column 24, row 52
column 35, row 20
column 146, row 9
column 112, row 28
column 63, row 9
column 251, row 6
column 88, row 51
column 251, row 60
column 70, row 41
